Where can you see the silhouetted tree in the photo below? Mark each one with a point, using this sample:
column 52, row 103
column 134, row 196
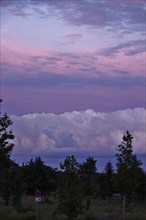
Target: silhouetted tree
column 88, row 175
column 6, row 136
column 37, row 175
column 128, row 170
column 17, row 186
column 69, row 196
column 6, row 146
column 108, row 186
column 128, row 166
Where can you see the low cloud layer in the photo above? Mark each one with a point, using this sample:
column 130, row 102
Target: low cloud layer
column 80, row 133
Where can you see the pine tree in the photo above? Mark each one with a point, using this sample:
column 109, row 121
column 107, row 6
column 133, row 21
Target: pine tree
column 128, row 167
column 6, row 136
column 6, row 146
column 109, row 173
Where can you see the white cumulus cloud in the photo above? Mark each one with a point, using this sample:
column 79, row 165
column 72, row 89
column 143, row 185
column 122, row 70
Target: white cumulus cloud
column 83, row 133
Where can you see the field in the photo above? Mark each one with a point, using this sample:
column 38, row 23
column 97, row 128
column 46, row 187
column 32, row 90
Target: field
column 99, row 210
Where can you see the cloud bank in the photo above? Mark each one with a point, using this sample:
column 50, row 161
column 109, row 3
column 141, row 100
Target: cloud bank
column 79, row 132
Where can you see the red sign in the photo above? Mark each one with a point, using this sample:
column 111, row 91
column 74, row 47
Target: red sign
column 38, row 193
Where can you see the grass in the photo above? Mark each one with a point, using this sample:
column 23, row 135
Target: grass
column 8, row 213
column 99, row 210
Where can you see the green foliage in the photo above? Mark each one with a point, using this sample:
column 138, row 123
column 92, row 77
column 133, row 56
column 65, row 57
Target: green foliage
column 75, row 185
column 6, row 146
column 76, row 182
column 128, row 167
column 69, row 198
column 37, row 175
column 109, row 185
column 70, row 165
column 5, row 186
column 70, row 205
column 6, row 136
column 16, row 187
column 88, row 168
column 8, row 213
column 87, row 171
column 101, row 211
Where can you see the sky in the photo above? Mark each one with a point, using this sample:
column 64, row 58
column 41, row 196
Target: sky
column 73, row 76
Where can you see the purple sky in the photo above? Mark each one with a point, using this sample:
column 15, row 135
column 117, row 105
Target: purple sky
column 70, row 56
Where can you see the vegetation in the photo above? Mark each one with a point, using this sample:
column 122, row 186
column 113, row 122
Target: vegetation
column 76, row 190
column 128, row 167
column 99, row 210
column 6, row 147
column 129, row 171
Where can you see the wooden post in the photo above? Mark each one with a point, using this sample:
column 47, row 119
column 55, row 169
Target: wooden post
column 37, row 211
column 124, row 200
column 38, row 199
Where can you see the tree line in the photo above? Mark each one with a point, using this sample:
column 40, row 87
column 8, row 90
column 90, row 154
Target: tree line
column 74, row 182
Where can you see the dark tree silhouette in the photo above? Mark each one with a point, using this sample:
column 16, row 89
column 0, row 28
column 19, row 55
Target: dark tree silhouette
column 128, row 166
column 68, row 194
column 6, row 136
column 109, row 174
column 128, row 170
column 6, row 146
column 88, row 174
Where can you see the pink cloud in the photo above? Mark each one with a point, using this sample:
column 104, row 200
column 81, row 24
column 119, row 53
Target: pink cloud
column 21, row 56
column 135, row 65
column 9, row 45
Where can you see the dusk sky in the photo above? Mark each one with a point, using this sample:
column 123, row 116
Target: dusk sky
column 73, row 76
